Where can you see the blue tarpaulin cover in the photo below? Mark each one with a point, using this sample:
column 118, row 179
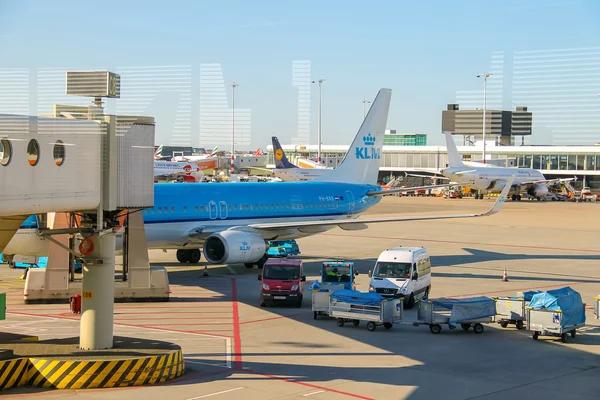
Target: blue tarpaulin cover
column 565, row 300
column 356, row 297
column 528, row 295
column 467, row 309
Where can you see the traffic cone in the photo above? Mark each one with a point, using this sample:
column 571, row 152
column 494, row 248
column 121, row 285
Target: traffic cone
column 205, row 273
column 505, row 276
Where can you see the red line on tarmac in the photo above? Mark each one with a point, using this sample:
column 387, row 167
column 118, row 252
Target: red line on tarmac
column 119, row 312
column 310, row 385
column 471, row 243
column 122, row 324
column 237, row 341
column 271, row 319
column 190, row 324
column 161, row 318
column 522, row 289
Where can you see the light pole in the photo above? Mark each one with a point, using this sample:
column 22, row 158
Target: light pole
column 365, row 102
column 233, row 86
column 485, row 76
column 319, row 81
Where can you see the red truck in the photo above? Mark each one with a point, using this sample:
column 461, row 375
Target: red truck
column 282, row 280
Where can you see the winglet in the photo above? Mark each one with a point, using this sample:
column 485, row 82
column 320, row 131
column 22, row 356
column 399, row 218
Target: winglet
column 502, row 198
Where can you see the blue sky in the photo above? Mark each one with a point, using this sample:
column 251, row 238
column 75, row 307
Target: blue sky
column 425, row 51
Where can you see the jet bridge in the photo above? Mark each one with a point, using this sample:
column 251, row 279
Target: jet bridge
column 98, row 167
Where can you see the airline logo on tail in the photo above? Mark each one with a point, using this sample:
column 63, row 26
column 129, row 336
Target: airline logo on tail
column 213, row 152
column 158, row 152
column 257, row 153
column 368, row 152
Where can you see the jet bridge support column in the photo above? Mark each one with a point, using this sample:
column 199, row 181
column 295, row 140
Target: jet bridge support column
column 97, row 306
column 144, row 282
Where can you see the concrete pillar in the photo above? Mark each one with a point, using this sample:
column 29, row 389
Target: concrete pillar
column 98, row 297
column 139, row 265
column 57, row 269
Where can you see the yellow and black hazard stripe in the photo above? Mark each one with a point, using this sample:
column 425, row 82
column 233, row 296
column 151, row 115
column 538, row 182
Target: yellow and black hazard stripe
column 82, row 374
column 13, row 373
column 76, row 374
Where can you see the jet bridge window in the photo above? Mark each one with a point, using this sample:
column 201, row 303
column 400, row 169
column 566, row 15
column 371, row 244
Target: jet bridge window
column 59, row 153
column 5, row 152
column 33, row 152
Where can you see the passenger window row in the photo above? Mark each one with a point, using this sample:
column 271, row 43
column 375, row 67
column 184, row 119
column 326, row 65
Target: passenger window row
column 33, row 152
column 246, row 207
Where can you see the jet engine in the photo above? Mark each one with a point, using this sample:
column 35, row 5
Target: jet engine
column 538, row 191
column 231, row 247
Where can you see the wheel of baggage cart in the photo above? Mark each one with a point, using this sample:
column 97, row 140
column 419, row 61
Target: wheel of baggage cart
column 435, row 328
column 478, row 328
column 340, row 322
column 563, row 338
column 465, row 326
column 519, row 325
column 536, row 334
column 573, row 333
column 355, row 322
column 504, row 324
column 371, row 326
column 388, row 325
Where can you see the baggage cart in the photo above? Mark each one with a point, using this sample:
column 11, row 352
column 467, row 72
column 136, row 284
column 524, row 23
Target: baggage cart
column 320, row 298
column 510, row 310
column 468, row 313
column 384, row 312
column 549, row 323
column 557, row 312
column 597, row 306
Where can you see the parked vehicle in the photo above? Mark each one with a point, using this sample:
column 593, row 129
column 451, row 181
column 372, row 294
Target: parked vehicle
column 402, row 272
column 282, row 281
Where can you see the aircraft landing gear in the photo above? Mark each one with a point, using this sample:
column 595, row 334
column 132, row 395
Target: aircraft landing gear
column 260, row 263
column 515, row 197
column 189, row 256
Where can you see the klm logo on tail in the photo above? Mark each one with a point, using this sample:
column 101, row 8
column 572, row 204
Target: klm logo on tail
column 368, row 152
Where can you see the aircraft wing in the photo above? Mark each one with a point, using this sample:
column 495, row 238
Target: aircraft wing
column 359, row 223
column 427, row 176
column 558, row 180
column 402, row 190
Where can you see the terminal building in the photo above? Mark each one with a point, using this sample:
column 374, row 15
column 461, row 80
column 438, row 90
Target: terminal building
column 505, row 130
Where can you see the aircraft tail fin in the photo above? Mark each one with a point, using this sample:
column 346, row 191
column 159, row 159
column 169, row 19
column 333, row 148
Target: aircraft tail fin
column 213, row 152
column 281, row 161
column 454, row 159
column 158, row 152
column 362, row 161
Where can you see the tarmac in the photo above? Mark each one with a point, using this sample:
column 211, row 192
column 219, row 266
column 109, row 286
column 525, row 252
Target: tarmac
column 233, row 348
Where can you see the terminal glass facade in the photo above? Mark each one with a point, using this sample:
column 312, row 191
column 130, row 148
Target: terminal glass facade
column 394, row 139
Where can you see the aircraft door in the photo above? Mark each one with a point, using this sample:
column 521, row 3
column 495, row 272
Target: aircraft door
column 351, row 203
column 223, row 210
column 212, row 209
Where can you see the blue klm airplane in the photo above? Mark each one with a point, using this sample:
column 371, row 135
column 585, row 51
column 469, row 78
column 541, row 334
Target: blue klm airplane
column 232, row 222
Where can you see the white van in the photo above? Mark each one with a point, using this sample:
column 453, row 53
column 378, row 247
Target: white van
column 402, row 271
